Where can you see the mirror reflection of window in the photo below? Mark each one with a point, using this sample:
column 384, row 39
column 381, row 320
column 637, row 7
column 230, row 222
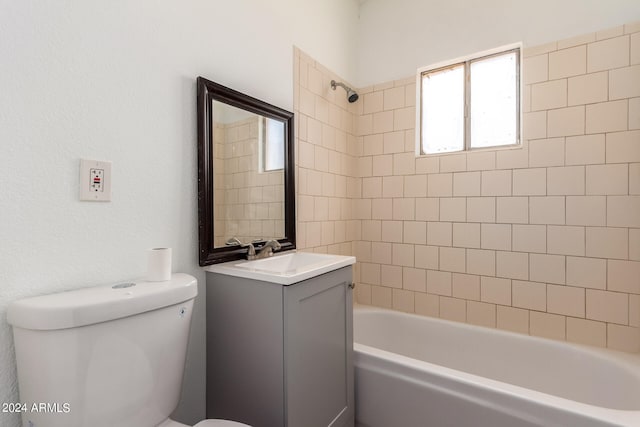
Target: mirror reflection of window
column 272, row 157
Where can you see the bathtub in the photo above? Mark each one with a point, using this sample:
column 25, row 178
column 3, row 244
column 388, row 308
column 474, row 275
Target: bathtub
column 424, row 372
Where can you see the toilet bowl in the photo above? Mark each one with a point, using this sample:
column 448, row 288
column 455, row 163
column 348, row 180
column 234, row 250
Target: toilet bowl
column 107, row 356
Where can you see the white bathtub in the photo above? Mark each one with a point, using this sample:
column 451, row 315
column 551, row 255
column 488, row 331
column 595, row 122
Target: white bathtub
column 418, row 371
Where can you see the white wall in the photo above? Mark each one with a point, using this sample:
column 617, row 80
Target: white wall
column 397, row 37
column 115, row 80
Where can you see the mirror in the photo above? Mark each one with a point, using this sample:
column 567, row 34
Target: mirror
column 245, row 174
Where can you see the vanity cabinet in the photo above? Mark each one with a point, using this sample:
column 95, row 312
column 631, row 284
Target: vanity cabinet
column 281, row 355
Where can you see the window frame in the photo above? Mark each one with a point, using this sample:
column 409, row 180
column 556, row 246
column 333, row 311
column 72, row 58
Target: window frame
column 263, row 138
column 466, row 63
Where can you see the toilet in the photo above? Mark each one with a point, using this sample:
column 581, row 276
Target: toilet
column 105, row 356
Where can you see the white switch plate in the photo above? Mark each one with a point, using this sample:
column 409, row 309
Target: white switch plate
column 95, row 180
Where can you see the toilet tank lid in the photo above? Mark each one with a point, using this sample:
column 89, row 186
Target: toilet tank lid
column 97, row 304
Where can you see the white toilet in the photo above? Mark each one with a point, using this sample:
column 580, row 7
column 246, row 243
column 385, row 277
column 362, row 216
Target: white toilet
column 108, row 356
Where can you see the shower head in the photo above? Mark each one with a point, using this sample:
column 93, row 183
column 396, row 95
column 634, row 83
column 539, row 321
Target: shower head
column 352, row 96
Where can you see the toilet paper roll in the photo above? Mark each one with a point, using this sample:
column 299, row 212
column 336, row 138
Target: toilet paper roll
column 159, row 266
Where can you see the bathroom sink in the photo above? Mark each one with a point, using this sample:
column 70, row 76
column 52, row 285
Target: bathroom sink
column 284, row 269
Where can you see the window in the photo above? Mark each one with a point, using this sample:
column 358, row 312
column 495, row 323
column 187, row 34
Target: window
column 470, row 104
column 272, row 145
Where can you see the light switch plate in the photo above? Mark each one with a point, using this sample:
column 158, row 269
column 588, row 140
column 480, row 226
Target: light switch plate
column 95, row 180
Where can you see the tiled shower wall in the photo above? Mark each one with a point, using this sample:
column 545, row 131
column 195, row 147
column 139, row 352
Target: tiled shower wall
column 541, row 240
column 326, row 160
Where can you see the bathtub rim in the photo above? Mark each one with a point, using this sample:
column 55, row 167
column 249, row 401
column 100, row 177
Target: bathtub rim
column 622, row 417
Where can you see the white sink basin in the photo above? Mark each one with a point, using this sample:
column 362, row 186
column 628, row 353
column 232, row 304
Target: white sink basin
column 284, row 269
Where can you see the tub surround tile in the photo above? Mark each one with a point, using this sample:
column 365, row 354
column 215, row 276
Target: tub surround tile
column 481, row 314
column 547, row 325
column 513, row 319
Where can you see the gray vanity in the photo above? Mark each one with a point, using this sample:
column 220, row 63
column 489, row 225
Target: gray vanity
column 279, row 341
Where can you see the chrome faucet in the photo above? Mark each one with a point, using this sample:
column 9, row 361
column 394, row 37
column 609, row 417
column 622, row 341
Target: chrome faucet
column 268, row 248
column 251, row 252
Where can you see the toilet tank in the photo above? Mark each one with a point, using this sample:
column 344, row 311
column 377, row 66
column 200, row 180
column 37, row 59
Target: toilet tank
column 107, row 356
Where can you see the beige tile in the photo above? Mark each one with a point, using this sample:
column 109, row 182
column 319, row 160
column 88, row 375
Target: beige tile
column 363, row 294
column 404, row 118
column 568, row 62
column 439, row 233
column 404, row 209
column 392, row 186
column 404, row 164
column 481, row 160
column 414, row 279
column 565, row 240
column 372, row 144
column 529, row 295
column 481, row 209
column 548, row 95
column 634, row 113
column 381, row 296
column 566, row 121
column 535, row 69
column 452, row 259
column 569, row 180
column 513, row 319
column 623, row 147
column 608, row 54
column 623, row 211
column 634, row 179
column 439, row 282
column 415, row 232
column 623, row 338
column 635, row 48
column 370, row 273
column 392, row 231
column 453, row 209
column 426, row 257
column 393, row 142
column 607, row 116
column 381, row 252
column 566, row 300
column 403, row 300
column 402, row 254
column 496, row 183
column 415, row 186
column 534, row 125
column 495, row 236
column 428, row 209
column 382, row 165
column 607, row 306
column 466, row 235
column 427, row 305
column 539, row 49
column 371, row 230
column 513, row 210
column 585, row 150
column 481, row 314
column 466, row 286
column 382, row 122
column 547, row 325
column 607, row 179
column 610, row 32
column 586, row 210
column 529, row 238
column 453, row 163
column 634, row 244
column 547, row 210
column 427, row 164
column 514, row 158
column 512, row 265
column 623, row 276
column 546, row 152
column 586, row 332
column 394, row 98
column 466, row 184
column 381, row 209
column 440, row 185
column 588, row 89
column 575, row 41
column 391, row 275
column 530, row 182
column 372, row 187
column 607, row 242
column 634, row 310
column 624, row 82
column 547, row 268
column 495, row 290
column 482, row 262
column 410, row 95
column 453, row 309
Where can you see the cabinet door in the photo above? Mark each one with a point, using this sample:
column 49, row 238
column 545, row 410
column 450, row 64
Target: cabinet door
column 318, row 351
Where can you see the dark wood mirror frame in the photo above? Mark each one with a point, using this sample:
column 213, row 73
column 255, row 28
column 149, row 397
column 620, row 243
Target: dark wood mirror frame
column 208, row 92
